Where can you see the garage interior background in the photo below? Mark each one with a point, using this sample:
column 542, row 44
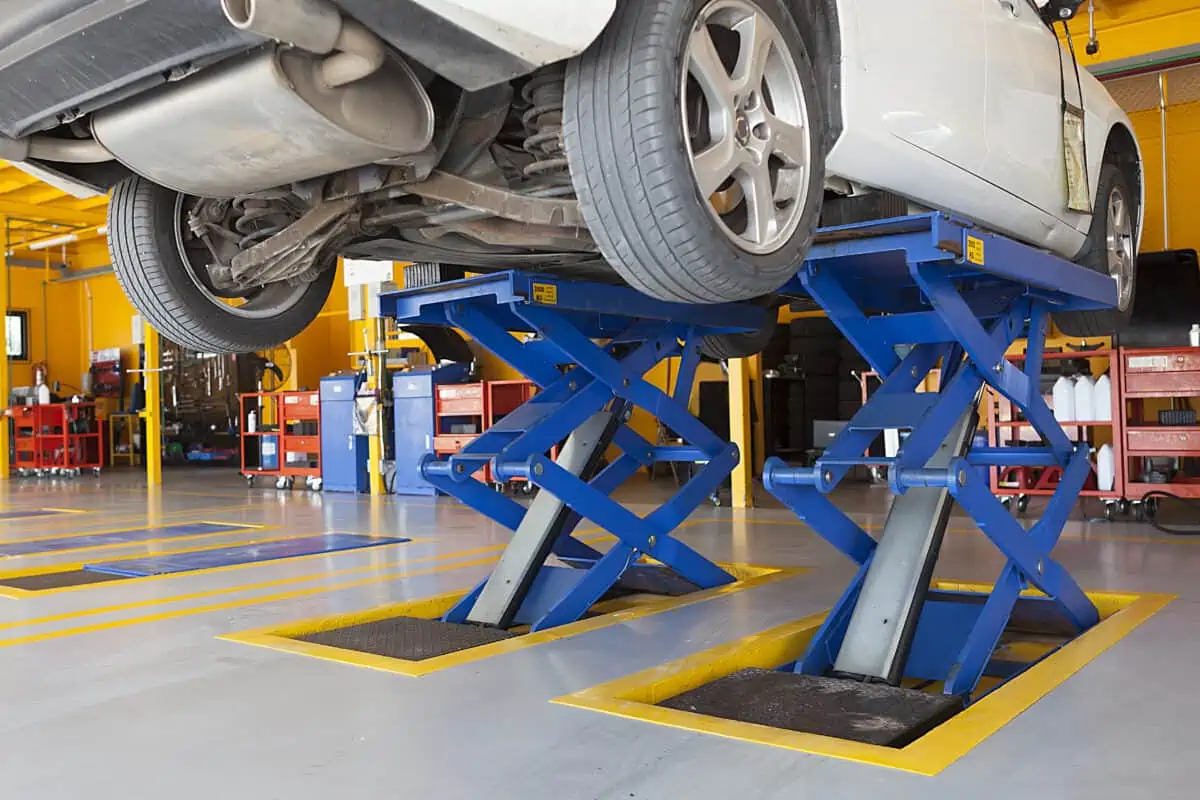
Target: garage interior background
column 60, row 279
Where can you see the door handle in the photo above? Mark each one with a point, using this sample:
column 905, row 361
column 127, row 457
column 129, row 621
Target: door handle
column 1013, row 7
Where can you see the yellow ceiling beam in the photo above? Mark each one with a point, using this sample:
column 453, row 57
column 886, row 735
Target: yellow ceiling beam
column 1129, row 29
column 50, row 213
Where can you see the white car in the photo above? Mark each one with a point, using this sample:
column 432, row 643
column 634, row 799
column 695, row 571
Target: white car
column 686, row 147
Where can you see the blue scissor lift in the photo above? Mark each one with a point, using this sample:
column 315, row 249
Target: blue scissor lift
column 914, row 294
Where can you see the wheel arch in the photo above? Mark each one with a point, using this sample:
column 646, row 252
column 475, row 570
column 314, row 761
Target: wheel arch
column 1121, row 148
column 821, row 31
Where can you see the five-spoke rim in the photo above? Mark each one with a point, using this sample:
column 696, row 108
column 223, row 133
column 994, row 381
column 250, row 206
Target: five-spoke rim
column 1120, row 246
column 746, row 125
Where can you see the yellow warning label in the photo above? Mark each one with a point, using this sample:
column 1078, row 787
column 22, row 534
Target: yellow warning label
column 975, row 250
column 545, row 293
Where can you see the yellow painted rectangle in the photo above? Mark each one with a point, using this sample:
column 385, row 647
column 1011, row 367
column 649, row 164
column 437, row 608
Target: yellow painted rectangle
column 545, row 293
column 975, row 250
column 636, row 696
column 280, row 637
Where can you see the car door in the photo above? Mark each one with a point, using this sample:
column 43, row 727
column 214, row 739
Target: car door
column 923, row 67
column 1027, row 71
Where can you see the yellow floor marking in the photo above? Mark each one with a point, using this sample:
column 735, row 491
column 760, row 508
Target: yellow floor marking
column 281, row 637
column 271, row 584
column 233, row 525
column 231, row 604
column 71, row 566
column 636, row 696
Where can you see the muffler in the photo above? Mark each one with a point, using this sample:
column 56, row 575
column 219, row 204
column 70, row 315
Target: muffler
column 330, row 100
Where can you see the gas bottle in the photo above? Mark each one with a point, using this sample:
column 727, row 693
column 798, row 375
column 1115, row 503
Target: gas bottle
column 1064, row 400
column 1106, row 467
column 252, row 422
column 1102, row 400
column 1085, row 389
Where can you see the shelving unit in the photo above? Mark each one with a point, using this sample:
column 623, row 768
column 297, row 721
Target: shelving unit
column 260, row 447
column 122, row 431
column 1024, row 482
column 1147, row 374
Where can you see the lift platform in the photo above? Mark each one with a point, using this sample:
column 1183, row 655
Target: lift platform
column 913, row 294
column 587, row 393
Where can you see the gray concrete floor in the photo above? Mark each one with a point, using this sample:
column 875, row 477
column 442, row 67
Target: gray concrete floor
column 123, row 690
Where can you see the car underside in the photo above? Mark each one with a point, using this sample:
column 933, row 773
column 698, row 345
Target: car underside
column 247, row 144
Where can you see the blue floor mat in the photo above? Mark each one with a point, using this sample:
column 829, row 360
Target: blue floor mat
column 240, row 554
column 78, row 542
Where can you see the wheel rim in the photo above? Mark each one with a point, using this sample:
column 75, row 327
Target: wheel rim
column 260, row 303
column 746, row 124
column 1120, row 246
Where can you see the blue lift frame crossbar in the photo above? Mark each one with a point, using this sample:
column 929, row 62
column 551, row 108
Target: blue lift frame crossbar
column 913, row 294
column 577, row 378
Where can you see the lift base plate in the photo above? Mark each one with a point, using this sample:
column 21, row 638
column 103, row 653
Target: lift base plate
column 409, row 638
column 873, row 713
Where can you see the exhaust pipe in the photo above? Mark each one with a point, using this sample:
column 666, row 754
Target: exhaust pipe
column 317, row 27
column 52, row 148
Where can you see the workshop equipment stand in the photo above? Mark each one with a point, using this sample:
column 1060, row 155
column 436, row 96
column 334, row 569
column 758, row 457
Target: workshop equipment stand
column 299, row 439
column 586, row 393
column 260, row 456
column 914, row 293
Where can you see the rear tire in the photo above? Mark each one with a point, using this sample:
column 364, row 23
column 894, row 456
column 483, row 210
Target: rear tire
column 143, row 222
column 629, row 148
column 724, row 346
column 1099, row 256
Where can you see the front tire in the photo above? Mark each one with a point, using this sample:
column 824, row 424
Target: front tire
column 1111, row 250
column 145, row 230
column 693, row 131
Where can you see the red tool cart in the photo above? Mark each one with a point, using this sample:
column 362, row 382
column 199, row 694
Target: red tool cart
column 300, row 439
column 1158, row 440
column 259, row 415
column 1006, row 428
column 56, row 439
column 462, row 411
column 25, row 450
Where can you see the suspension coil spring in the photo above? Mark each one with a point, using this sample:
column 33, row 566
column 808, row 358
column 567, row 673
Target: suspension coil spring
column 543, row 122
column 258, row 219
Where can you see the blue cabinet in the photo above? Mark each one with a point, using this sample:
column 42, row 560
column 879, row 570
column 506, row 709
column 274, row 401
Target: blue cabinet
column 343, row 454
column 413, row 421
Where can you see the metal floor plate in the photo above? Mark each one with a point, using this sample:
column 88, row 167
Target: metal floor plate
column 873, row 713
column 408, row 638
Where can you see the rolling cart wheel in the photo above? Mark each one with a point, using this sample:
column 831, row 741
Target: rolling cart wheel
column 1022, row 504
column 528, row 488
column 1123, row 507
column 1139, row 511
column 1006, row 500
column 1151, row 507
column 249, row 480
column 1110, row 511
column 96, row 472
column 281, row 482
column 291, row 482
column 315, row 484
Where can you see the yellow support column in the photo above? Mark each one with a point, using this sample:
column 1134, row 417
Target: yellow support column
column 152, row 446
column 375, row 382
column 5, row 374
column 740, row 432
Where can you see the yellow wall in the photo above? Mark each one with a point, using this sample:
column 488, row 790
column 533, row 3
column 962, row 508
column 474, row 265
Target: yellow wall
column 55, row 338
column 1132, row 28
